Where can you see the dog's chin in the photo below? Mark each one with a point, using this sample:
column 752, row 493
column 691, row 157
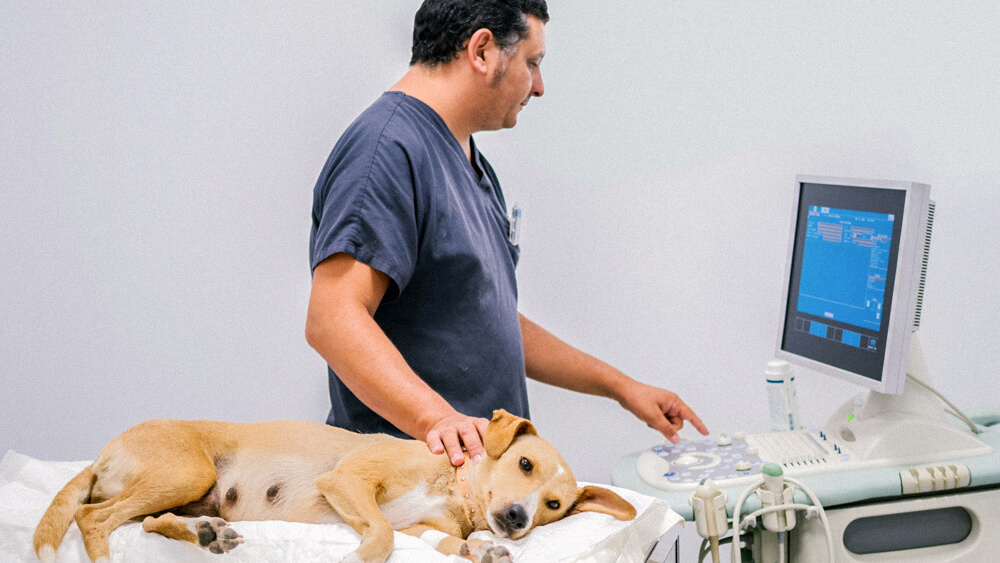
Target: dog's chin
column 519, row 535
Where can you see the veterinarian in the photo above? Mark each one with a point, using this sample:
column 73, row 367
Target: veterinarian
column 414, row 299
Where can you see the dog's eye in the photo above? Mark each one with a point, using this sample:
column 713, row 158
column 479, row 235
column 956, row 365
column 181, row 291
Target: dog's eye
column 553, row 505
column 525, row 465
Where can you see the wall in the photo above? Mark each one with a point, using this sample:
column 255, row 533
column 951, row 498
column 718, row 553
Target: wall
column 158, row 165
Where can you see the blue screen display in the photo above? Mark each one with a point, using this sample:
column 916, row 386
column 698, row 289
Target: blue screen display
column 845, row 264
column 842, row 278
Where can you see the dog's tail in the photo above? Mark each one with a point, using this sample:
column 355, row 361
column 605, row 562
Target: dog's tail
column 60, row 515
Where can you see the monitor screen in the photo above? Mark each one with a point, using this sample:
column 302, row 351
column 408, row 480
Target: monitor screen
column 842, row 276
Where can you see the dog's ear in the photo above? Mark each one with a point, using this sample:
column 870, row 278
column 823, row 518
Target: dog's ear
column 599, row 499
column 502, row 430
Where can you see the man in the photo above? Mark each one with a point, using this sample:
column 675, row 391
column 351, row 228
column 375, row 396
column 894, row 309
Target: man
column 414, row 299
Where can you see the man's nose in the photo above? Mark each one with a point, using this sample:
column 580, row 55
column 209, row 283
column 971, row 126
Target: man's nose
column 537, row 86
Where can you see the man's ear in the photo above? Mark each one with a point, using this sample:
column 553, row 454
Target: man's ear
column 599, row 499
column 476, row 50
column 502, row 430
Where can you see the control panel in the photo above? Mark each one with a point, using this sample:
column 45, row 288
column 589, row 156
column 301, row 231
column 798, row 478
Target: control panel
column 736, row 460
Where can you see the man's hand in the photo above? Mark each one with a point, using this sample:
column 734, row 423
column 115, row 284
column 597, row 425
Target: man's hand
column 660, row 409
column 452, row 432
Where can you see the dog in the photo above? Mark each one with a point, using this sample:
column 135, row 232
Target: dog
column 188, row 479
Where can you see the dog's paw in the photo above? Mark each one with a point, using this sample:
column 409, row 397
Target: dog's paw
column 216, row 536
column 483, row 551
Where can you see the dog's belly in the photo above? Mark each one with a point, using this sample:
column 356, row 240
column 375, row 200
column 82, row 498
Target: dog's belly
column 284, row 488
column 271, row 488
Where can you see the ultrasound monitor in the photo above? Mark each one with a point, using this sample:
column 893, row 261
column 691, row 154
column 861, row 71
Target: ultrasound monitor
column 853, row 288
column 855, row 277
column 857, row 261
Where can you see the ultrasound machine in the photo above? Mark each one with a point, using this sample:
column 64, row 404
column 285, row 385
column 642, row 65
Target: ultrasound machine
column 893, row 475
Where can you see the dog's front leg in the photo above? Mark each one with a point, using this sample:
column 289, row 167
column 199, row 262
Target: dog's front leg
column 480, row 551
column 353, row 497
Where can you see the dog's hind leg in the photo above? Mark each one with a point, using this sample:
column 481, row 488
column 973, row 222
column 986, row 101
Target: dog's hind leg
column 210, row 533
column 153, row 490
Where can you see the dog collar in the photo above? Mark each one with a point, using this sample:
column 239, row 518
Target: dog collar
column 465, row 488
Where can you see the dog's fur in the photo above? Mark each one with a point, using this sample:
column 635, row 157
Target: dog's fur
column 307, row 472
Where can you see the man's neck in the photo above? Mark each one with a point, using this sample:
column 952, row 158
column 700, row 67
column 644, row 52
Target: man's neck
column 442, row 90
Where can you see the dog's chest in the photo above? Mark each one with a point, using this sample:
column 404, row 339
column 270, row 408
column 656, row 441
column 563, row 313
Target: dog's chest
column 416, row 506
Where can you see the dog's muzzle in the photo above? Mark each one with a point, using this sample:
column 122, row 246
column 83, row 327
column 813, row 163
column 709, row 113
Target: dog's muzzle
column 512, row 519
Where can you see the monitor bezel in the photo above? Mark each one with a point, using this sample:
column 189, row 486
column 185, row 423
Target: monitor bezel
column 905, row 287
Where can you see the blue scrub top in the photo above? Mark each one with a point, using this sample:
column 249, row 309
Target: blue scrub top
column 397, row 193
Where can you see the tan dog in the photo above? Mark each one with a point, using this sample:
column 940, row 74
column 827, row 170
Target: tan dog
column 314, row 473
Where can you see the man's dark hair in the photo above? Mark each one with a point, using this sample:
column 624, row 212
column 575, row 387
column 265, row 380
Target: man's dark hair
column 441, row 28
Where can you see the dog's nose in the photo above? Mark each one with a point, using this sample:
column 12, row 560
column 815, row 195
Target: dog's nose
column 515, row 517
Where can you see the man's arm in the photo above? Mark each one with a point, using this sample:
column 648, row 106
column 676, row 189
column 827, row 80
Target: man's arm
column 550, row 360
column 339, row 325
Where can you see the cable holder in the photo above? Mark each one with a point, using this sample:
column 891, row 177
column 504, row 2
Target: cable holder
column 776, row 516
column 709, row 504
column 776, row 520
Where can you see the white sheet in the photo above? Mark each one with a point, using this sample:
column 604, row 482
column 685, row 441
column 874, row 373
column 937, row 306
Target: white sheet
column 28, row 485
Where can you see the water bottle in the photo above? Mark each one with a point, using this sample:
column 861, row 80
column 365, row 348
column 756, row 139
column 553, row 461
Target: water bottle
column 781, row 396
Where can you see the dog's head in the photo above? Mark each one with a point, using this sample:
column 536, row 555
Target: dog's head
column 524, row 482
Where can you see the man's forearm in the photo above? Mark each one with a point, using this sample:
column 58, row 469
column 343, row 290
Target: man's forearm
column 550, row 360
column 340, row 326
column 370, row 366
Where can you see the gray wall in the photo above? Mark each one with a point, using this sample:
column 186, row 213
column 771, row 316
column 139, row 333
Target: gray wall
column 158, row 164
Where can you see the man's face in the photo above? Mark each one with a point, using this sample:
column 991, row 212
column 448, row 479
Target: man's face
column 517, row 77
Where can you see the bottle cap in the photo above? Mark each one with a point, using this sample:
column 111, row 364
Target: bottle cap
column 778, row 369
